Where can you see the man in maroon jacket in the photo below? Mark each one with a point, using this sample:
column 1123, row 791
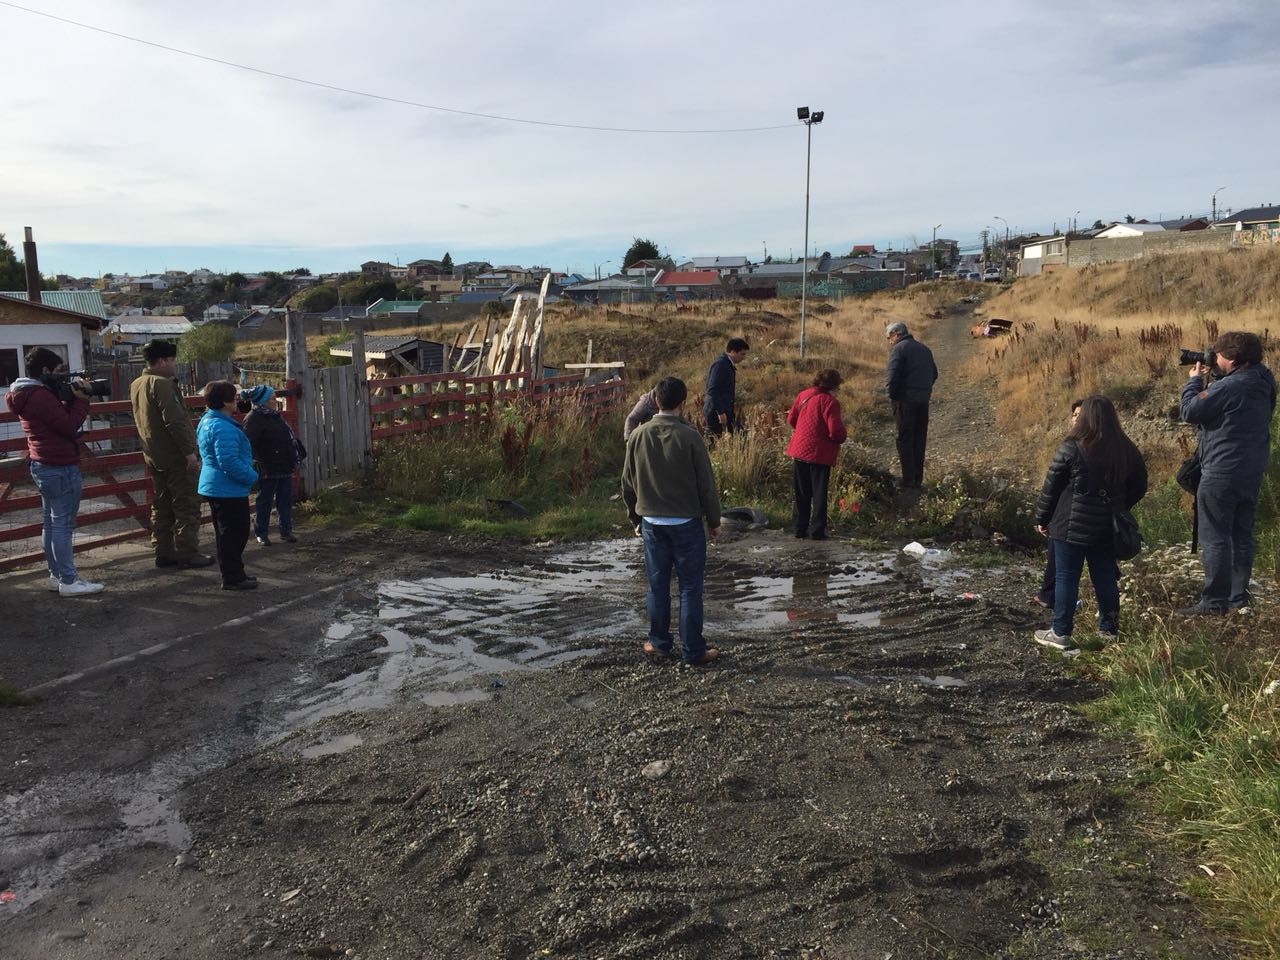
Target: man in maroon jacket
column 815, row 444
column 52, row 425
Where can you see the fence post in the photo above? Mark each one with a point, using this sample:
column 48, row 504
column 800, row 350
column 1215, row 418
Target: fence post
column 363, row 420
column 296, row 369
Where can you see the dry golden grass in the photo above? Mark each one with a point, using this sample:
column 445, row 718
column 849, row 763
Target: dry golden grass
column 1116, row 330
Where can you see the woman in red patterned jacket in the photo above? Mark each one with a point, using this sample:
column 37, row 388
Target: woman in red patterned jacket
column 814, row 446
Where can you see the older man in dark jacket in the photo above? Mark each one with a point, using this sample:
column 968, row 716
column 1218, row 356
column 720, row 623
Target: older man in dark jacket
column 1234, row 417
column 909, row 382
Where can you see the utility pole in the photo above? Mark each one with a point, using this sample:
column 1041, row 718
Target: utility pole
column 803, row 115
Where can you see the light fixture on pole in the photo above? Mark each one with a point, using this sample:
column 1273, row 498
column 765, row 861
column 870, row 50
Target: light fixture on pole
column 599, row 265
column 808, row 119
column 934, row 247
column 1215, row 204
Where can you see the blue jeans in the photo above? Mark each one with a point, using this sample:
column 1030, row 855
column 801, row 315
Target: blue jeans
column 1069, row 559
column 1225, row 526
column 684, row 548
column 279, row 489
column 60, row 497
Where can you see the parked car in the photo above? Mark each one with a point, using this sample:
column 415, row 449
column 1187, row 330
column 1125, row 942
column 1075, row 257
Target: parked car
column 975, row 276
column 992, row 275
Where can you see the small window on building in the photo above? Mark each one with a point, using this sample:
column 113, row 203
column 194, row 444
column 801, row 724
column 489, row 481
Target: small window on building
column 8, row 365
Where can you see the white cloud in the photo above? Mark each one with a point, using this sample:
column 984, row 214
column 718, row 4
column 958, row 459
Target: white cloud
column 933, row 113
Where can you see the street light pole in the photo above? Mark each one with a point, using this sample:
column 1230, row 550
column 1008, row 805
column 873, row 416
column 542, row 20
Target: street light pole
column 803, row 115
column 934, row 247
column 1004, row 252
column 1215, row 204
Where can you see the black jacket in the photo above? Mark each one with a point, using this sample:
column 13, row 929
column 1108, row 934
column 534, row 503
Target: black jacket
column 722, row 381
column 272, row 442
column 1072, row 504
column 911, row 371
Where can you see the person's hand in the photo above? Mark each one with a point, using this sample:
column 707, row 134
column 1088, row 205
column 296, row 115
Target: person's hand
column 1042, row 530
column 80, row 387
column 1198, row 369
column 192, row 462
column 713, row 533
column 638, row 533
column 724, row 419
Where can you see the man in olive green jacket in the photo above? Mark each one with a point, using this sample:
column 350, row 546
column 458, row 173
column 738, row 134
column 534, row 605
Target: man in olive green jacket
column 670, row 491
column 169, row 449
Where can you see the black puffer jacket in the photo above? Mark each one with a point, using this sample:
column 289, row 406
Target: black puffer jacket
column 273, row 449
column 1073, row 506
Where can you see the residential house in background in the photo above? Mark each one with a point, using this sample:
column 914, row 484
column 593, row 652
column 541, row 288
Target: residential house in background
column 1117, row 230
column 689, row 284
column 723, row 266
column 1266, row 217
column 614, row 289
column 25, row 324
column 218, row 313
column 376, row 268
column 1037, row 253
column 123, row 334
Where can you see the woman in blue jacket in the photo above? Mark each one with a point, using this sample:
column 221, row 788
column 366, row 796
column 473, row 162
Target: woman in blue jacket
column 226, row 476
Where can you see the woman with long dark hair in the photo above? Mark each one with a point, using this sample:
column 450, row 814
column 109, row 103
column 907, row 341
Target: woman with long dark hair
column 1095, row 471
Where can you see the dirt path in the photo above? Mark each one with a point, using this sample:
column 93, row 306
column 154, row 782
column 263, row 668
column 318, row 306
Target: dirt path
column 962, row 421
column 450, row 754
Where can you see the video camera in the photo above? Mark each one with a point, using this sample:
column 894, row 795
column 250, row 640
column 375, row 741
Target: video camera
column 60, row 383
column 1206, row 356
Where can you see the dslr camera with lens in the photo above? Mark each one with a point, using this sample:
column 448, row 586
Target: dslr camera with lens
column 1206, row 356
column 61, row 385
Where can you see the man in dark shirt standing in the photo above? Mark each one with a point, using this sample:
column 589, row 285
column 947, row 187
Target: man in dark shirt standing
column 909, row 382
column 1234, row 417
column 670, row 492
column 722, row 383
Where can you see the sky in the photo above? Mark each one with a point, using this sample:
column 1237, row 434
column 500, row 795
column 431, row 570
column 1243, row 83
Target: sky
column 127, row 157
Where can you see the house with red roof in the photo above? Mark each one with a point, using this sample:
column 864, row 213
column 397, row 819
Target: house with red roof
column 690, row 284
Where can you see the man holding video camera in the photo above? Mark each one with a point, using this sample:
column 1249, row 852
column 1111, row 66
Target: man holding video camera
column 1233, row 414
column 52, row 408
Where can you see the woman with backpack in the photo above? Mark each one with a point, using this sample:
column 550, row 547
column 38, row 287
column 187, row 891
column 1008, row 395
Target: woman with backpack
column 1096, row 471
column 276, row 454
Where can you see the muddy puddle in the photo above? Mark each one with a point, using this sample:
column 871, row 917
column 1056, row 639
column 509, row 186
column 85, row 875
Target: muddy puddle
column 439, row 642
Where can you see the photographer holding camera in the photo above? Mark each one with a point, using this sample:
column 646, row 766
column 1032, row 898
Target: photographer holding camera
column 1233, row 414
column 52, row 425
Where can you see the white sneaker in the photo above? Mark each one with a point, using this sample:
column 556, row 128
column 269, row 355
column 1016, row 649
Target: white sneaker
column 81, row 588
column 53, row 584
column 1047, row 638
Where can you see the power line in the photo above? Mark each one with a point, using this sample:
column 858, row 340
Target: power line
column 376, row 96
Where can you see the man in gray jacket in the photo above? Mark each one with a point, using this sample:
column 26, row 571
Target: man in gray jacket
column 909, row 382
column 670, row 491
column 1234, row 416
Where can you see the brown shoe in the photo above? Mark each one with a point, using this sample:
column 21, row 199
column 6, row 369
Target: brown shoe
column 710, row 654
column 653, row 653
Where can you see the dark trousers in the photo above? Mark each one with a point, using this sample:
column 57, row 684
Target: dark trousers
column 913, row 431
column 280, row 491
column 1069, row 559
column 715, row 427
column 175, row 512
column 1049, row 581
column 681, row 547
column 231, row 533
column 810, row 481
column 1225, row 524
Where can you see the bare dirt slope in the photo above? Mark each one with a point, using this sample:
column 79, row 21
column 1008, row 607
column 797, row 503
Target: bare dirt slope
column 452, row 754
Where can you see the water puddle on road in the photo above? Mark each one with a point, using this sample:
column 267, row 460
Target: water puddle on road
column 441, row 641
column 435, row 641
